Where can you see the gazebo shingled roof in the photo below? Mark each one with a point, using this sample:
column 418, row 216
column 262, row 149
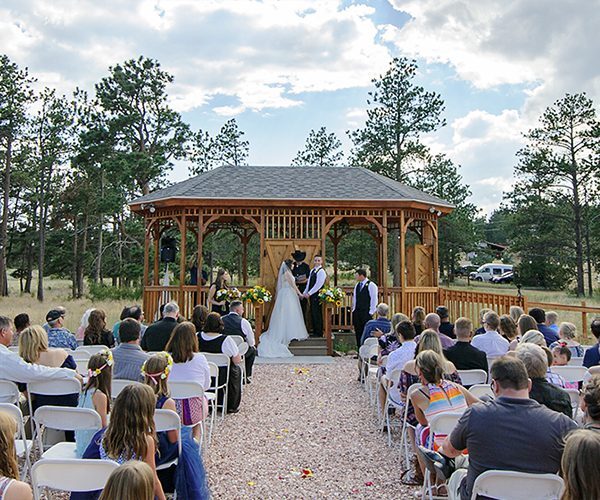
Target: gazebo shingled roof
column 292, row 183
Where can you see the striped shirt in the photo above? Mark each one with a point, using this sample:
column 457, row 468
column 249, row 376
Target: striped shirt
column 129, row 359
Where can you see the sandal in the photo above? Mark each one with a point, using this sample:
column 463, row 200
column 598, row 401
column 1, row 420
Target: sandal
column 410, row 479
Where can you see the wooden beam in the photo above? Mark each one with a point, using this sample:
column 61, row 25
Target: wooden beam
column 384, row 257
column 182, row 266
column 403, row 264
column 146, row 254
column 199, row 259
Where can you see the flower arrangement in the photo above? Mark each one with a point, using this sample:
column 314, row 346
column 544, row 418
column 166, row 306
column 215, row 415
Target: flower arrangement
column 258, row 295
column 164, row 374
column 109, row 362
column 221, row 295
column 234, row 294
column 331, row 295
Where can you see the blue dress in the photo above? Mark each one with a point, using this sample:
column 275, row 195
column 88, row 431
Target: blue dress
column 84, row 437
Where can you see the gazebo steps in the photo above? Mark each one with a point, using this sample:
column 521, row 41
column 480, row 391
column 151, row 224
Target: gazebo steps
column 313, row 346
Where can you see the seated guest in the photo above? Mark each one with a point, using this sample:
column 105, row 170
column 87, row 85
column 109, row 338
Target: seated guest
column 533, row 337
column 158, row 334
column 482, row 313
column 61, row 310
column 14, row 367
column 592, row 354
column 10, row 486
column 536, row 363
column 21, row 322
column 536, row 451
column 508, row 329
column 33, row 348
column 85, row 321
column 212, row 340
column 96, row 332
column 566, row 335
column 539, row 315
column 578, row 465
column 432, row 322
column 555, row 378
column 128, row 355
column 378, row 326
column 446, row 327
column 590, row 404
column 552, row 321
column 234, row 323
column 561, row 355
column 58, row 335
column 199, row 315
column 515, row 312
column 525, row 324
column 136, row 312
column 463, row 354
column 134, row 479
column 189, row 365
column 491, row 342
column 389, row 342
column 418, row 319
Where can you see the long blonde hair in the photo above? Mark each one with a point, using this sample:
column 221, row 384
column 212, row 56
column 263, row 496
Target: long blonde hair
column 131, row 420
column 578, row 465
column 32, row 341
column 133, row 479
column 8, row 457
column 430, row 341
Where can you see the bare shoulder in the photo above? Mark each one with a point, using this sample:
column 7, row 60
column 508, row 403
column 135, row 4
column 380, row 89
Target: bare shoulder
column 169, row 405
column 18, row 490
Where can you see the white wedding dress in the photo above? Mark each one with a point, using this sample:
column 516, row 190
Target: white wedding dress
column 287, row 321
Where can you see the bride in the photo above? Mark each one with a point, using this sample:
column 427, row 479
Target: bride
column 287, row 321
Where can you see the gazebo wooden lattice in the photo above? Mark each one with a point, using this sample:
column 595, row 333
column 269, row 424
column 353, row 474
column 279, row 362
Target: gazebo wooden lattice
column 294, row 208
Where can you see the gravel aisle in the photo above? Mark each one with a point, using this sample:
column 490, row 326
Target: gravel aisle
column 312, row 417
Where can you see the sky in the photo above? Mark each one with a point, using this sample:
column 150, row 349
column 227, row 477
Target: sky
column 284, row 67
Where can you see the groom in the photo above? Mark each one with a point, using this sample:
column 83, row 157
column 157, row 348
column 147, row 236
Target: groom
column 316, row 280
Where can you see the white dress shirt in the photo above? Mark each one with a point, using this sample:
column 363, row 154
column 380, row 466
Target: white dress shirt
column 247, row 329
column 399, row 357
column 491, row 342
column 14, row 368
column 321, row 275
column 373, row 293
column 195, row 370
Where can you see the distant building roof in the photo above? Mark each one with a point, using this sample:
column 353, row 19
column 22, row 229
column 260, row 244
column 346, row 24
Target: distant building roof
column 291, row 183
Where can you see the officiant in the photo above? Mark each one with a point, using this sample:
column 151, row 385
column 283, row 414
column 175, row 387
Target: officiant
column 301, row 270
column 364, row 303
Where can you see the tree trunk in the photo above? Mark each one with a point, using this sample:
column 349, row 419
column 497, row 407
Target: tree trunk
column 75, row 259
column 4, row 224
column 81, row 260
column 98, row 273
column 42, row 250
column 578, row 238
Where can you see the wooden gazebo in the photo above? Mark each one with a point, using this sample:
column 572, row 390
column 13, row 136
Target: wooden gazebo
column 293, row 208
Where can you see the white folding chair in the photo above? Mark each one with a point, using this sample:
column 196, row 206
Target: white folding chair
column 187, row 390
column 574, row 396
column 22, row 444
column 118, row 384
column 490, row 362
column 404, row 445
column 64, row 418
column 238, row 339
column 82, row 359
column 92, row 349
column 211, row 395
column 221, row 360
column 50, row 388
column 9, row 392
column 243, row 349
column 393, row 378
column 75, row 475
column 570, row 373
column 480, row 390
column 517, row 485
column 576, row 361
column 168, row 420
column 371, row 341
column 472, row 377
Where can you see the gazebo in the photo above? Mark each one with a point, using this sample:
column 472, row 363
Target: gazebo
column 293, row 208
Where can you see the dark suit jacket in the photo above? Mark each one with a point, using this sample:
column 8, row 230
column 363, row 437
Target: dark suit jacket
column 592, row 356
column 158, row 334
column 466, row 357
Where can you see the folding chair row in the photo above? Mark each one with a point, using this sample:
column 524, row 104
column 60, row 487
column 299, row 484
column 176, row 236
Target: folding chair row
column 22, row 444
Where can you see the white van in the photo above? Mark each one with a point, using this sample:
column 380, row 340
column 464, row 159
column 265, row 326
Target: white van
column 489, row 271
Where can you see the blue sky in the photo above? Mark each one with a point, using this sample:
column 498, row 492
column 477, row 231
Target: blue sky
column 283, row 67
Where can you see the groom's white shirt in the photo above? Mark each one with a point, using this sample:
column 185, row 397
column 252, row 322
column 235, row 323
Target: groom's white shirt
column 247, row 329
column 320, row 275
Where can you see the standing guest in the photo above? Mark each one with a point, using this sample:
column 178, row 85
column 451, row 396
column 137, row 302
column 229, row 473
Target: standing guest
column 234, row 323
column 590, row 404
column 134, row 479
column 21, row 322
column 536, row 363
column 482, row 313
column 189, row 365
column 508, row 329
column 578, row 465
column 34, row 349
column 432, row 322
column 14, row 367
column 158, row 334
column 221, row 283
column 491, row 342
column 316, row 281
column 364, row 303
column 96, row 332
column 446, row 327
column 301, row 271
column 85, row 321
column 61, row 310
column 212, row 340
column 462, row 353
column 418, row 319
column 136, row 312
column 128, row 355
column 552, row 321
column 378, row 326
column 58, row 335
column 536, row 450
column 539, row 315
column 592, row 354
column 10, row 486
column 566, row 335
column 95, row 396
column 199, row 315
column 515, row 312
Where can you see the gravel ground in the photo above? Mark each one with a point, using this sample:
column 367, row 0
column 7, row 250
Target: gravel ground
column 312, row 417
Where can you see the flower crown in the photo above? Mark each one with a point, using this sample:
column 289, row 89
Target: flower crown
column 164, row 374
column 109, row 362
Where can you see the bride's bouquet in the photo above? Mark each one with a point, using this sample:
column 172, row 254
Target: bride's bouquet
column 331, row 295
column 234, row 294
column 257, row 295
column 221, row 295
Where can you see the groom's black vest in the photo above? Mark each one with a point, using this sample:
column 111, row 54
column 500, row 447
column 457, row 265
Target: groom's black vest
column 363, row 297
column 233, row 325
column 313, row 280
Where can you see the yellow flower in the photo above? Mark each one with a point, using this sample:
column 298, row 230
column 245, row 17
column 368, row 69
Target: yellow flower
column 338, row 303
column 261, row 301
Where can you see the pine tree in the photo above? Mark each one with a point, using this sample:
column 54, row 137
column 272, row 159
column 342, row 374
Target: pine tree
column 230, row 148
column 321, row 150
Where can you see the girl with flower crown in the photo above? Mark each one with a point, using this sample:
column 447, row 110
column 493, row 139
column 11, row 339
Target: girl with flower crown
column 95, row 395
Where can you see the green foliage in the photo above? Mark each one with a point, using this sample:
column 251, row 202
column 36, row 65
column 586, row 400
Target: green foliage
column 321, row 150
column 99, row 292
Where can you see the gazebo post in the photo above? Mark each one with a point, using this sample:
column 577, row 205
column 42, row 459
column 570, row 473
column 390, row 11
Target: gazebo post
column 156, row 241
column 182, row 265
column 436, row 253
column 384, row 257
column 199, row 243
column 335, row 240
column 403, row 264
column 244, row 239
column 146, row 253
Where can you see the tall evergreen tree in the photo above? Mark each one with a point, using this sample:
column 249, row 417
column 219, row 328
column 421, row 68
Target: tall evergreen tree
column 321, row 149
column 230, row 148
